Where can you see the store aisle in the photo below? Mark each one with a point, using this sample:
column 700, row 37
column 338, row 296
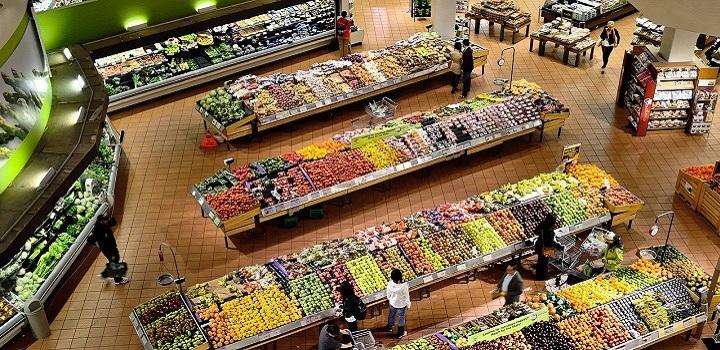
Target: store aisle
column 163, row 161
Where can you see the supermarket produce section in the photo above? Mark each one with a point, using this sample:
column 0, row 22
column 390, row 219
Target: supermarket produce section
column 260, row 303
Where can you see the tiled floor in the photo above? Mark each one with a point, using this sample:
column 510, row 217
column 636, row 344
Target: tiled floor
column 163, row 160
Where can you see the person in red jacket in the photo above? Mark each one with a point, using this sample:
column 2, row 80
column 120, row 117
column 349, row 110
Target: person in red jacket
column 343, row 30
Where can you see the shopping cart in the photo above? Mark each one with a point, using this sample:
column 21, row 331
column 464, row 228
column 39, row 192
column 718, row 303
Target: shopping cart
column 580, row 257
column 379, row 111
column 364, row 340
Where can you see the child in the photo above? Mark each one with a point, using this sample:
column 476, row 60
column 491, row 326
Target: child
column 398, row 295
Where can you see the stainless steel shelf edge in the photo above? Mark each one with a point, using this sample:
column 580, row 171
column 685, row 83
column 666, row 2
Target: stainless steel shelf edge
column 12, row 328
column 68, row 258
column 217, row 71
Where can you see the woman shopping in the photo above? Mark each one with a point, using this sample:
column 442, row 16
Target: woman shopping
column 455, row 66
column 609, row 39
column 612, row 256
column 545, row 245
column 353, row 309
column 398, row 295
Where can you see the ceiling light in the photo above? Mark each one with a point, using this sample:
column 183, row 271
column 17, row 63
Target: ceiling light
column 44, row 179
column 205, row 7
column 79, row 115
column 136, row 25
column 67, row 53
column 80, row 82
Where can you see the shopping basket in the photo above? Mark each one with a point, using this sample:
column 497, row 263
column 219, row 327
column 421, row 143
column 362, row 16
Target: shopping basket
column 364, row 340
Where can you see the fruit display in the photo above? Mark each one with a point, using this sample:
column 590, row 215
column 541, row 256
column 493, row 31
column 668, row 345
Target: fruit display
column 438, row 261
column 608, row 326
column 312, row 294
column 679, row 265
column 417, row 344
column 459, row 335
column 420, row 263
column 702, row 172
column 652, row 312
column 506, row 225
column 546, row 335
column 367, row 274
column 588, row 294
column 592, row 175
column 484, row 235
column 331, row 252
column 567, row 208
column 220, row 103
column 232, row 202
column 530, row 215
column 581, row 333
column 591, row 199
column 334, row 276
column 619, row 196
column 175, row 330
column 652, row 269
column 558, row 307
column 7, row 310
column 511, row 341
column 453, row 245
column 173, row 57
column 392, row 258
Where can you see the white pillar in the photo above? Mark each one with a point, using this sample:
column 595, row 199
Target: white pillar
column 443, row 17
column 678, row 45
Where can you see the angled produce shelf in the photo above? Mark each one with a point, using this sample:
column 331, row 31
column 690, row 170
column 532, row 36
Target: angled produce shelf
column 510, row 214
column 236, row 200
column 253, row 104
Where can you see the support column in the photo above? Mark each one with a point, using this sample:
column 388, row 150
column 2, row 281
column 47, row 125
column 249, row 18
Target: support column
column 678, row 45
column 443, row 18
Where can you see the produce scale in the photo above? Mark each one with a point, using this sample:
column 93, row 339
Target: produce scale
column 35, row 271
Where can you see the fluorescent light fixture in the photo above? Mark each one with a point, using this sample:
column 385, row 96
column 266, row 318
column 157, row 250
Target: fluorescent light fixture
column 67, row 53
column 136, row 25
column 78, row 116
column 44, row 178
column 205, row 6
column 80, row 82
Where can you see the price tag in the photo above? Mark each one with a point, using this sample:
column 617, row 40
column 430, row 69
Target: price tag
column 661, row 333
column 326, row 192
column 302, row 109
column 461, row 267
column 427, row 279
column 441, row 274
column 414, row 162
column 487, row 258
column 677, row 327
column 201, row 201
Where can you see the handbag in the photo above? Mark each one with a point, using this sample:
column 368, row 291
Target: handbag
column 548, row 252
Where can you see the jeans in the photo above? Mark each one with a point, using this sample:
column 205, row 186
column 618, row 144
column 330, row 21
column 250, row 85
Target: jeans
column 400, row 313
column 606, row 50
column 466, row 82
column 454, row 81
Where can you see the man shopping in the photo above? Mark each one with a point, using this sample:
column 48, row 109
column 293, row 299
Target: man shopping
column 467, row 67
column 511, row 285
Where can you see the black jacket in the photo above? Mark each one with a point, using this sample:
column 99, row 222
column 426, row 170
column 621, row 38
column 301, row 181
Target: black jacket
column 350, row 307
column 546, row 238
column 102, row 237
column 612, row 39
column 467, row 60
column 515, row 287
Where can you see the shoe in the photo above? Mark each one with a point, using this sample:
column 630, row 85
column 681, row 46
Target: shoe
column 602, row 71
column 401, row 332
column 124, row 280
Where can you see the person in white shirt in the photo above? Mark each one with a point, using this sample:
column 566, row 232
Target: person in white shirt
column 398, row 295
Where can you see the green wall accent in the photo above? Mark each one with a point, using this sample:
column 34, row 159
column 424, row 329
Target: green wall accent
column 22, row 154
column 98, row 19
column 14, row 40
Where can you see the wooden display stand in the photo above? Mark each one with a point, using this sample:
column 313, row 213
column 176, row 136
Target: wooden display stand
column 623, row 214
column 709, row 206
column 689, row 188
column 568, row 47
column 553, row 121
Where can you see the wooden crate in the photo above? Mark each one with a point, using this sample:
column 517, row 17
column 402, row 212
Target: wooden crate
column 233, row 225
column 616, row 209
column 623, row 218
column 689, row 188
column 546, row 117
column 709, row 206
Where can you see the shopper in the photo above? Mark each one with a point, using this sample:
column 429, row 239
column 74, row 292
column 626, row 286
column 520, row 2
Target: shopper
column 511, row 284
column 609, row 39
column 545, row 245
column 456, row 66
column 467, row 66
column 398, row 296
column 344, row 25
column 612, row 256
column 333, row 338
column 353, row 309
column 103, row 238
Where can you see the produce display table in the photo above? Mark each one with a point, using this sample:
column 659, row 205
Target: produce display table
column 696, row 185
column 709, row 206
column 595, row 22
column 553, row 121
column 512, row 27
column 568, row 47
column 55, row 266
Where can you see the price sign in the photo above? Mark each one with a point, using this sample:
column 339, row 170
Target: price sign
column 461, row 267
column 427, row 279
column 441, row 274
column 677, row 327
column 487, row 258
column 661, row 332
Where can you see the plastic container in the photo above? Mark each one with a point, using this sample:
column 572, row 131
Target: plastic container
column 37, row 319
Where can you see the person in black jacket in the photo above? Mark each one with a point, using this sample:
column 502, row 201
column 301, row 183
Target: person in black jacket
column 609, row 39
column 511, row 284
column 467, row 67
column 102, row 237
column 350, row 305
column 545, row 239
